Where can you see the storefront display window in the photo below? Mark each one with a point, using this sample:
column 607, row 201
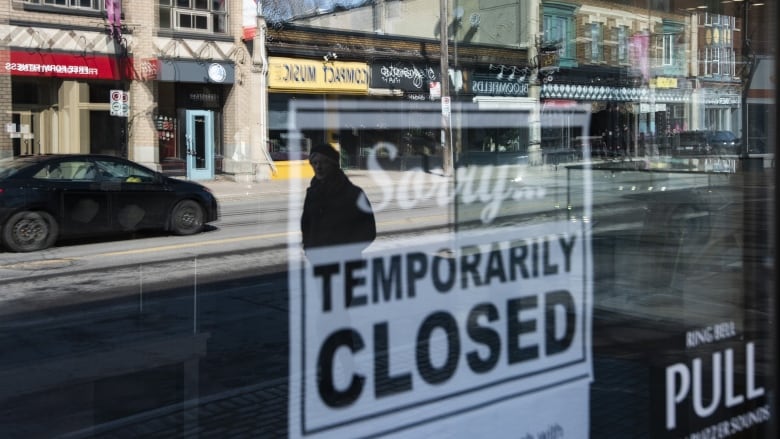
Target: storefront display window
column 533, row 219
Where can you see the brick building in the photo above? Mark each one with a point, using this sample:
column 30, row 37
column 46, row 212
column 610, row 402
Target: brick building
column 173, row 89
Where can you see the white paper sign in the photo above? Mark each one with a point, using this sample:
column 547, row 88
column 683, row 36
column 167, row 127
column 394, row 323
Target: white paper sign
column 479, row 332
column 425, row 332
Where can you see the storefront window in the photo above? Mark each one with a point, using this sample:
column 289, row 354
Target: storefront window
column 562, row 225
column 107, row 134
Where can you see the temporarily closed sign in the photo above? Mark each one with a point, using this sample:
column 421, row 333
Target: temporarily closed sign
column 417, row 337
column 480, row 331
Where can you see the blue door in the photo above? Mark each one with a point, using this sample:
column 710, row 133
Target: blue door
column 200, row 144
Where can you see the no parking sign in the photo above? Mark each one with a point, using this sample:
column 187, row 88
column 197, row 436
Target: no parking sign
column 120, row 103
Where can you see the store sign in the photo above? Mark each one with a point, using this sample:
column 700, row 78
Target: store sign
column 488, row 85
column 294, row 74
column 661, row 82
column 198, row 72
column 64, row 65
column 716, row 391
column 433, row 335
column 548, row 60
column 722, row 99
column 651, row 108
column 406, row 76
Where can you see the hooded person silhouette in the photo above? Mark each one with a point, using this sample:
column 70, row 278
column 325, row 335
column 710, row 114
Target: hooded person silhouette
column 335, row 211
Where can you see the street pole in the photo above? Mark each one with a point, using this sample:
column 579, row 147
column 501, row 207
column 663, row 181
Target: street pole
column 747, row 78
column 446, row 144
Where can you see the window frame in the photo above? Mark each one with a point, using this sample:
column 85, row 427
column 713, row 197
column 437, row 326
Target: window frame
column 622, row 50
column 556, row 30
column 175, row 12
column 596, row 42
column 68, row 7
column 97, row 5
column 667, row 49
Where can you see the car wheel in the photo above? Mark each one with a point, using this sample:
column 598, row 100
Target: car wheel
column 187, row 218
column 30, row 231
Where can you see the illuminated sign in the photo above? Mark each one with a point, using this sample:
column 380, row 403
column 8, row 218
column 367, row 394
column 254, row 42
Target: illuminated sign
column 317, row 76
column 64, row 65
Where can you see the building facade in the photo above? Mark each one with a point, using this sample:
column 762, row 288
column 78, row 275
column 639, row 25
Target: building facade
column 169, row 89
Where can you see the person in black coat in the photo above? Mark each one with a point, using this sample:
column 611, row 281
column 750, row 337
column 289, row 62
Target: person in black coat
column 335, row 211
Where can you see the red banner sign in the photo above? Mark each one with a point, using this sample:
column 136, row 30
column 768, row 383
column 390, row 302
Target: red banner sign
column 65, row 65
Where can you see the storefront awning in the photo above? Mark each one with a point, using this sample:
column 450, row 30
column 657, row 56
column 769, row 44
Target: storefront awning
column 65, row 65
column 582, row 92
column 199, row 72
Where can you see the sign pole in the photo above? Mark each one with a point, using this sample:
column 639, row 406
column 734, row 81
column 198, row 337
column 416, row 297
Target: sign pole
column 446, row 150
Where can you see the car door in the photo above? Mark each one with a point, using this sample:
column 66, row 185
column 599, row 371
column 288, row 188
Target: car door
column 84, row 204
column 140, row 201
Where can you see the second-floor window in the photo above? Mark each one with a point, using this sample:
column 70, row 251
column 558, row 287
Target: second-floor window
column 667, row 49
column 556, row 31
column 718, row 61
column 93, row 5
column 194, row 15
column 596, row 42
column 718, row 57
column 622, row 40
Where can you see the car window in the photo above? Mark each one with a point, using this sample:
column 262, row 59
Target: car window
column 11, row 167
column 116, row 171
column 81, row 170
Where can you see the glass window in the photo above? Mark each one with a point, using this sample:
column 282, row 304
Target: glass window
column 668, row 49
column 116, row 171
column 622, row 36
column 95, row 5
column 596, row 42
column 195, row 15
column 68, row 170
column 299, row 231
column 556, row 31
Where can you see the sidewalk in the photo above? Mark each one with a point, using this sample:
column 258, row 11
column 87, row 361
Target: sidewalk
column 226, row 189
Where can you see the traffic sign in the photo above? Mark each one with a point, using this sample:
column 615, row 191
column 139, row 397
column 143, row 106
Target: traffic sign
column 120, row 103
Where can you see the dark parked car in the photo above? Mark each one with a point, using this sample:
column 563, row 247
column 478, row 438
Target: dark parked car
column 706, row 143
column 47, row 197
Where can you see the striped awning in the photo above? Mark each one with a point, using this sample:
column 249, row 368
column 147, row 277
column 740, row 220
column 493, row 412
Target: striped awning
column 583, row 92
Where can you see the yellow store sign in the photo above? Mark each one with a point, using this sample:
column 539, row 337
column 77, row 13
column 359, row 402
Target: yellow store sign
column 661, row 82
column 305, row 75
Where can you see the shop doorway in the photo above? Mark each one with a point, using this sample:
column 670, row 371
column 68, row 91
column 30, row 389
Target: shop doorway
column 200, row 144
